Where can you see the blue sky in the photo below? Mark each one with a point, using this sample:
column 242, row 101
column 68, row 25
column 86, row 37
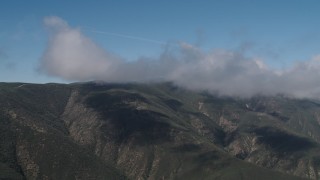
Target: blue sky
column 279, row 32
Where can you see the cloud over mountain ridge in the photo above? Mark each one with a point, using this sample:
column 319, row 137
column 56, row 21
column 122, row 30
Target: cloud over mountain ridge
column 73, row 56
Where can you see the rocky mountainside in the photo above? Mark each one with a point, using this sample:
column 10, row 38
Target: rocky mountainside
column 153, row 131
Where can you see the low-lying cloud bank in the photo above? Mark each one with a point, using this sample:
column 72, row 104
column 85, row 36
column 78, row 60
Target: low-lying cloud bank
column 73, row 56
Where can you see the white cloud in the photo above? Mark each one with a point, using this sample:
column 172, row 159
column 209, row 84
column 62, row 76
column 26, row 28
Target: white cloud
column 72, row 56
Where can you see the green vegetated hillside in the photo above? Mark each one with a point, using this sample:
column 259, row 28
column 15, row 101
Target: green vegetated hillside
column 153, row 131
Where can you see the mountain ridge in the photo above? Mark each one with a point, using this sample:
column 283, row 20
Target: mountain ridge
column 153, row 131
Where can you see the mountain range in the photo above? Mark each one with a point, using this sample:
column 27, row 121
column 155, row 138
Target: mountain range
column 154, row 131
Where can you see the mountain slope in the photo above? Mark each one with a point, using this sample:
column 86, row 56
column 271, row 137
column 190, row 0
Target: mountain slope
column 36, row 143
column 153, row 131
